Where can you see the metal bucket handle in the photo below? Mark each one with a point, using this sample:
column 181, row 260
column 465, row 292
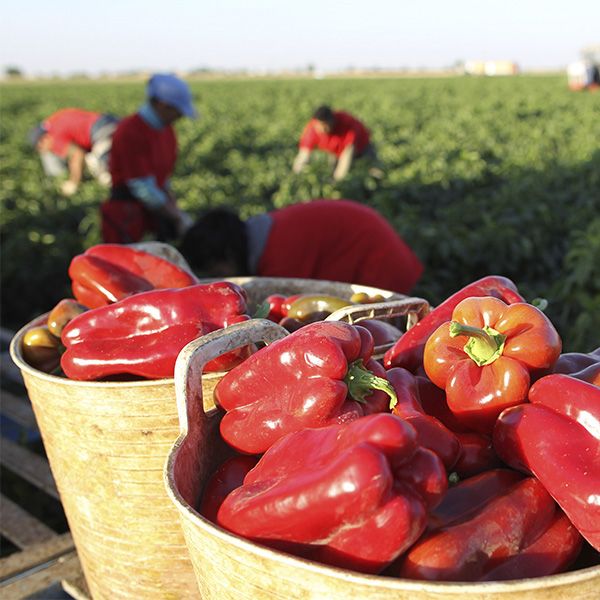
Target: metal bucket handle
column 198, row 419
column 414, row 308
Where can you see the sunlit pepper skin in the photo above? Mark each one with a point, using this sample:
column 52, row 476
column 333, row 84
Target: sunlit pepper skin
column 320, row 374
column 571, row 397
column 485, row 357
column 143, row 334
column 160, row 272
column 352, row 495
column 431, row 433
column 561, row 453
column 496, row 532
column 97, row 282
column 408, row 350
column 106, row 273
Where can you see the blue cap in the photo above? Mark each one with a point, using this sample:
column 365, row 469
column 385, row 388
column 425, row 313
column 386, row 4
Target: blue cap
column 172, row 91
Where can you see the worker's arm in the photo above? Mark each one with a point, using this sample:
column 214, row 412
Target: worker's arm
column 159, row 201
column 301, row 160
column 75, row 162
column 344, row 162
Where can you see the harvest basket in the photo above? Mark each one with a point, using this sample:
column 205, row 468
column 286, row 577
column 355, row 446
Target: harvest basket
column 229, row 567
column 106, row 444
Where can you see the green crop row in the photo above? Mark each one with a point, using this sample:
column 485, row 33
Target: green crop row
column 482, row 176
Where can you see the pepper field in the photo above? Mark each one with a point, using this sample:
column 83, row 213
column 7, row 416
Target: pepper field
column 482, row 176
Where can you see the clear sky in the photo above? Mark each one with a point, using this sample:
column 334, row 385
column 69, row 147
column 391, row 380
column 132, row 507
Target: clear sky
column 66, row 36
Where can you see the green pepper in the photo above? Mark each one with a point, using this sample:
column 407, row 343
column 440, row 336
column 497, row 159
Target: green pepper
column 307, row 304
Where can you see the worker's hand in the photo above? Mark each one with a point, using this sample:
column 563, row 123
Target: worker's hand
column 68, row 188
column 104, row 179
column 337, row 176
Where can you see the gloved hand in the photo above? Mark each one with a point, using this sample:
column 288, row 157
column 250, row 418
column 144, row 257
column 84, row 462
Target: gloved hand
column 68, row 188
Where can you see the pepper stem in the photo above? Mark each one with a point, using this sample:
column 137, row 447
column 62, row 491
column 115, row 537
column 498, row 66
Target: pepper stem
column 361, row 382
column 485, row 345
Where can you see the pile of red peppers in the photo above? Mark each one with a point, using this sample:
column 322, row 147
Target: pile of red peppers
column 471, row 454
column 132, row 314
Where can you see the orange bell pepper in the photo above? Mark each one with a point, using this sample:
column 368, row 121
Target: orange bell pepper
column 485, row 357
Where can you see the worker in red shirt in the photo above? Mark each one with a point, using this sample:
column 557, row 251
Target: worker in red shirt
column 142, row 161
column 337, row 240
column 341, row 135
column 73, row 138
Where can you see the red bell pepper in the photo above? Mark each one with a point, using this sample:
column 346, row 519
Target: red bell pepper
column 558, row 443
column 505, row 345
column 106, row 273
column 431, row 433
column 590, row 374
column 434, row 403
column 354, row 495
column 503, row 530
column 582, row 366
column 408, row 350
column 476, row 456
column 143, row 334
column 571, row 397
column 228, row 477
column 470, row 495
column 572, row 362
column 320, row 374
column 383, row 333
column 275, row 307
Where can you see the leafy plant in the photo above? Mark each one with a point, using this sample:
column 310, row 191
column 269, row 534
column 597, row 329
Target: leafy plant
column 482, row 176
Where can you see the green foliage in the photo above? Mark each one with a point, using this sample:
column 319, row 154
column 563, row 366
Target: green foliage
column 482, row 176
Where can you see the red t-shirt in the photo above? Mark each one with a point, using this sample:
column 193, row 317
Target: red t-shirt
column 338, row 240
column 347, row 130
column 70, row 126
column 139, row 150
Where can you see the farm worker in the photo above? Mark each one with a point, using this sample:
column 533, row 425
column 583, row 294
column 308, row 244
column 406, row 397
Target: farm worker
column 73, row 138
column 338, row 240
column 341, row 135
column 142, row 161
